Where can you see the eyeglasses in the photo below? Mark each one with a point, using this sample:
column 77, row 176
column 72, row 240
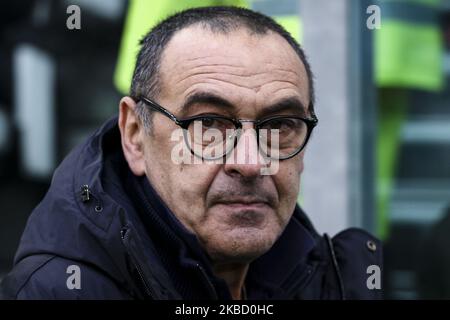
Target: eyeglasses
column 213, row 136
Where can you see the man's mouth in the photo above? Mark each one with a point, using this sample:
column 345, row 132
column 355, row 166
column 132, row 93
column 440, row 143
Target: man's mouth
column 244, row 212
column 245, row 203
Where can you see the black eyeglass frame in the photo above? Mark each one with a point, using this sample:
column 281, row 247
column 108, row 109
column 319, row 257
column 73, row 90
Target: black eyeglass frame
column 184, row 124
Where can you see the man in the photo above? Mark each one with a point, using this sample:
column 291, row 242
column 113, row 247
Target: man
column 130, row 215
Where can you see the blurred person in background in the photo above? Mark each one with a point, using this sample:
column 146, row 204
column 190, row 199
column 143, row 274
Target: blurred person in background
column 434, row 261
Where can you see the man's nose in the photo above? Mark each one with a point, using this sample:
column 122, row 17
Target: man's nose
column 245, row 159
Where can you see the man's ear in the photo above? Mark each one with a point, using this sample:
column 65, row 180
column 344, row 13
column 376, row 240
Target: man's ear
column 302, row 160
column 132, row 133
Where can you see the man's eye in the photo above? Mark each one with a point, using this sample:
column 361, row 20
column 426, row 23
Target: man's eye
column 216, row 123
column 209, row 122
column 281, row 124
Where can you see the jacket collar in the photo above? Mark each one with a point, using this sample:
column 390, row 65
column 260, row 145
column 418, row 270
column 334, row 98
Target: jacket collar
column 286, row 261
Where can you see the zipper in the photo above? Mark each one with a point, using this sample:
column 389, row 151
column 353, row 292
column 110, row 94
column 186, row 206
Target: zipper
column 86, row 195
column 148, row 290
column 335, row 266
column 211, row 288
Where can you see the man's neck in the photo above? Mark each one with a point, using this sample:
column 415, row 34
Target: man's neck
column 234, row 275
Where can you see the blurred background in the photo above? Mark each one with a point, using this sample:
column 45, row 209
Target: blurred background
column 379, row 159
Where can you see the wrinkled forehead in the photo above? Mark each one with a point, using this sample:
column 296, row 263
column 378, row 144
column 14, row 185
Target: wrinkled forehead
column 196, row 56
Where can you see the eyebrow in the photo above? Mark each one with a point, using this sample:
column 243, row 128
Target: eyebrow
column 292, row 104
column 205, row 98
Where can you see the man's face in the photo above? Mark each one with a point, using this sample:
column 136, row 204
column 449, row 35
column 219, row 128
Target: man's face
column 236, row 213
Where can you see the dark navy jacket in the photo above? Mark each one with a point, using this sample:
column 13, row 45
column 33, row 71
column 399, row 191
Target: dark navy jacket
column 128, row 245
